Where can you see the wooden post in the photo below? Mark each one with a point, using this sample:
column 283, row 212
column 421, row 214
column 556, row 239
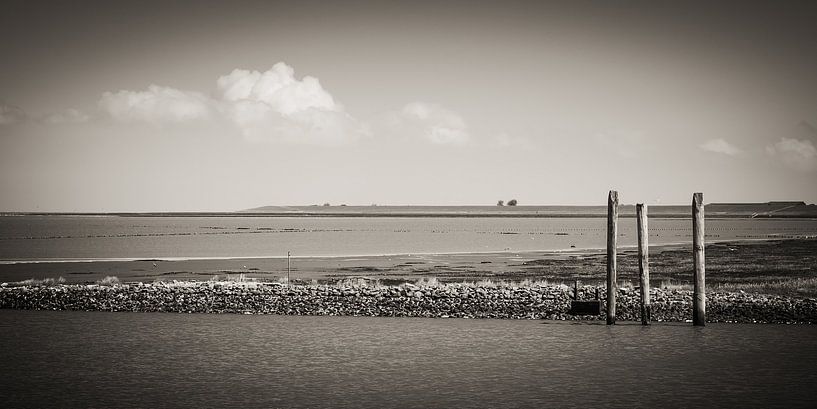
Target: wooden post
column 612, row 236
column 288, row 265
column 576, row 289
column 644, row 261
column 699, row 291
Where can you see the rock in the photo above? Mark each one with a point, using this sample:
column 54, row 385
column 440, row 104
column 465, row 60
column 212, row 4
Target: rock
column 449, row 301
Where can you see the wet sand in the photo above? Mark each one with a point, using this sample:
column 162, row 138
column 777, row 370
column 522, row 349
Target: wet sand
column 727, row 262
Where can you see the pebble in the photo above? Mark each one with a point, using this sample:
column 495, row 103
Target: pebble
column 451, row 300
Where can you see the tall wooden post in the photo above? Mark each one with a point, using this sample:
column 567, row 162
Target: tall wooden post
column 288, row 266
column 644, row 261
column 612, row 236
column 576, row 289
column 699, row 291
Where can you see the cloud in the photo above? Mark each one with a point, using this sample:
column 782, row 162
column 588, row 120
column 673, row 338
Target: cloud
column 156, row 105
column 10, row 114
column 798, row 154
column 719, row 145
column 271, row 106
column 430, row 122
column 278, row 88
column 259, row 122
column 69, row 116
column 275, row 106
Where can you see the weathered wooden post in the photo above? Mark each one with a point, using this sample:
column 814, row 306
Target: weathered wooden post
column 576, row 290
column 612, row 236
column 644, row 261
column 699, row 291
column 288, row 266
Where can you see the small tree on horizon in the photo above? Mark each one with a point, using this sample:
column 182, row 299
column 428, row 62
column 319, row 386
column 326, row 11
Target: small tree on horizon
column 512, row 202
column 500, row 203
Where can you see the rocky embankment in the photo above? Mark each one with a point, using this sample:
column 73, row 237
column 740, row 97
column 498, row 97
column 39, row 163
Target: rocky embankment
column 452, row 300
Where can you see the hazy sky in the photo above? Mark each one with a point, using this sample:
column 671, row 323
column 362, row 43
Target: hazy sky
column 108, row 106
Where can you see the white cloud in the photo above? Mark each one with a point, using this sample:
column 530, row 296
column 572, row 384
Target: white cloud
column 70, row 116
column 719, row 145
column 278, row 88
column 799, row 154
column 10, row 114
column 156, row 105
column 269, row 106
column 275, row 106
column 432, row 122
column 261, row 123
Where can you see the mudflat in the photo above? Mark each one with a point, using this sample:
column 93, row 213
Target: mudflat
column 735, row 265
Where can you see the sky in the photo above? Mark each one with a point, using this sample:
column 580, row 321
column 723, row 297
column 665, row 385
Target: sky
column 220, row 106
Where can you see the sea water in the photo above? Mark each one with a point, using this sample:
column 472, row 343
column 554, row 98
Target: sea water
column 44, row 238
column 102, row 359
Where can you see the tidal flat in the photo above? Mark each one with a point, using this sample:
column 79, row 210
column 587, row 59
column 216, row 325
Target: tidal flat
column 778, row 267
column 748, row 282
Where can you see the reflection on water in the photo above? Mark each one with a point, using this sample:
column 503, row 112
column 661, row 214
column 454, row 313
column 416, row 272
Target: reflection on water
column 147, row 360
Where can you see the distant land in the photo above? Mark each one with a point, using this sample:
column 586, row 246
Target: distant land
column 792, row 209
column 738, row 210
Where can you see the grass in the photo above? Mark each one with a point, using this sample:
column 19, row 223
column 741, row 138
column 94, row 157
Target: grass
column 109, row 281
column 737, row 261
column 803, row 287
column 741, row 270
column 792, row 287
column 35, row 282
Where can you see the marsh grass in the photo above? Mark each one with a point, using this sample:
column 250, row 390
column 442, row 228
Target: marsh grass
column 43, row 282
column 490, row 283
column 429, row 282
column 239, row 278
column 359, row 282
column 772, row 285
column 804, row 287
column 798, row 286
column 109, row 281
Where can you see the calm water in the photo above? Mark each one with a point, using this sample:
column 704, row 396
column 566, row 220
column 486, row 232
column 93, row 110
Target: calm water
column 63, row 359
column 84, row 237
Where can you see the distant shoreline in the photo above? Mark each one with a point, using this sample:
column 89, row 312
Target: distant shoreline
column 409, row 215
column 713, row 210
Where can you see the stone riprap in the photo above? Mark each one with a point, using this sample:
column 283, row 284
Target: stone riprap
column 444, row 301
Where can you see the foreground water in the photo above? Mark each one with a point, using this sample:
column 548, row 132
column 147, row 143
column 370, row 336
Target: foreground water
column 62, row 359
column 61, row 238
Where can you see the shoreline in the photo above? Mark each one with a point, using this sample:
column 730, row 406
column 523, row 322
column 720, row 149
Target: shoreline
column 549, row 302
column 780, row 277
column 584, row 251
column 728, row 262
